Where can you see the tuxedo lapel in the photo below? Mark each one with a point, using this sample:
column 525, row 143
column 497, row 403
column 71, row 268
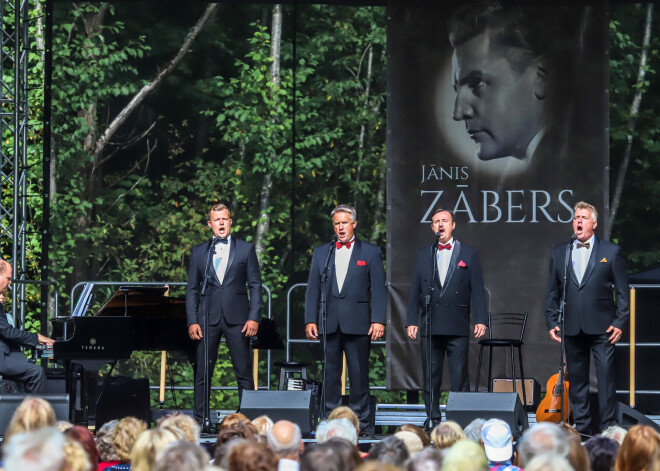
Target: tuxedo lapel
column 352, row 266
column 432, row 264
column 453, row 261
column 592, row 261
column 573, row 275
column 232, row 255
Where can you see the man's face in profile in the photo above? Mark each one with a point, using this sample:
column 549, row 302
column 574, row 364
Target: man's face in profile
column 502, row 108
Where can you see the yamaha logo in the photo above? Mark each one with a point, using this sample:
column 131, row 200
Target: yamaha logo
column 92, row 341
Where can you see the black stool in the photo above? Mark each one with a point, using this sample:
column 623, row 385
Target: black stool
column 500, row 327
column 290, row 368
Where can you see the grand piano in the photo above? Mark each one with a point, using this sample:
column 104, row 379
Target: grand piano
column 134, row 318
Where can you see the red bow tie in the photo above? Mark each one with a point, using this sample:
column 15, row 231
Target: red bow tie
column 444, row 246
column 342, row 244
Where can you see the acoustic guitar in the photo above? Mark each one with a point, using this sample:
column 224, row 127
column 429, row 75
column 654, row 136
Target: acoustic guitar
column 549, row 409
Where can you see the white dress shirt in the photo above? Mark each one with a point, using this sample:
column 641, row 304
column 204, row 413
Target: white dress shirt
column 342, row 259
column 444, row 256
column 581, row 258
column 220, row 258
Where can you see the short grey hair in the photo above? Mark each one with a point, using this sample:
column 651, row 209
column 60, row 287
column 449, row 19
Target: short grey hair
column 589, row 207
column 345, row 208
column 473, row 429
column 429, row 459
column 340, row 428
column 616, row 433
column 542, row 438
column 41, row 450
column 546, row 461
column 181, row 456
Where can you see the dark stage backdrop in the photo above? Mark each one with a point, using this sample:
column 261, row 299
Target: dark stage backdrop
column 459, row 138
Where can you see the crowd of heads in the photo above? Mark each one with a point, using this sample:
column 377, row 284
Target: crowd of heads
column 34, row 441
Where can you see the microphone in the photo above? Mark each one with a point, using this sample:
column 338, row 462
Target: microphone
column 334, row 239
column 437, row 237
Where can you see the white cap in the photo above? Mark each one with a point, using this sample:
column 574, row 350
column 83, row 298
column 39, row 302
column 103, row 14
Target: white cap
column 497, row 439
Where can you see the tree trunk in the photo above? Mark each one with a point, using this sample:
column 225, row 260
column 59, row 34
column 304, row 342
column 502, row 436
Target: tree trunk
column 263, row 224
column 356, row 190
column 632, row 120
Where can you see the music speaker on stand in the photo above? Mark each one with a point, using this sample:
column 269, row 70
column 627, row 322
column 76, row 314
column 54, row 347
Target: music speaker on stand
column 296, row 406
column 464, row 407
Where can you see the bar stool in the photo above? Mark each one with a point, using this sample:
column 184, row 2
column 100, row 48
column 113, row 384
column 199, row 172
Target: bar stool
column 500, row 328
column 288, row 368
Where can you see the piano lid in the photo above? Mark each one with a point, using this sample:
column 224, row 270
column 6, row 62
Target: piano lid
column 143, row 301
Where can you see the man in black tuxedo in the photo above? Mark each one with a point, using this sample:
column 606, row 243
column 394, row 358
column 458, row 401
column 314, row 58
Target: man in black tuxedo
column 456, row 284
column 355, row 293
column 230, row 264
column 595, row 315
column 13, row 364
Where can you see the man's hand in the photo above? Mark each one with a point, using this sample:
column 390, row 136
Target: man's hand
column 412, row 331
column 195, row 332
column 250, row 328
column 312, row 331
column 616, row 334
column 43, row 340
column 376, row 330
column 479, row 330
column 554, row 334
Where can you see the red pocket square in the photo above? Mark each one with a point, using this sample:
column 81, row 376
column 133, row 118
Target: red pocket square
column 361, row 263
column 462, row 264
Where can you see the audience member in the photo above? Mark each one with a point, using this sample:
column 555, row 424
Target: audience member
column 107, row 452
column 75, row 457
column 412, row 442
column 541, row 438
column 321, row 457
column 417, row 430
column 548, row 462
column 40, row 450
column 31, row 414
column 285, row 439
column 569, row 430
column 577, row 455
column 83, row 436
column 238, row 430
column 389, row 450
column 63, row 425
column 181, row 456
column 183, row 422
column 465, row 455
column 497, row 440
column 147, row 446
column 637, row 449
column 345, row 412
column 616, row 433
column 233, row 419
column 602, row 453
column 446, row 434
column 429, row 459
column 251, row 455
column 349, row 454
column 473, row 430
column 263, row 423
column 123, row 439
column 341, row 428
column 222, row 452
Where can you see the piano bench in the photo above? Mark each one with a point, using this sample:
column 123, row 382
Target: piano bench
column 290, row 368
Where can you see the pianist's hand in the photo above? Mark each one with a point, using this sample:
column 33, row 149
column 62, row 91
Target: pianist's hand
column 250, row 328
column 195, row 332
column 43, row 340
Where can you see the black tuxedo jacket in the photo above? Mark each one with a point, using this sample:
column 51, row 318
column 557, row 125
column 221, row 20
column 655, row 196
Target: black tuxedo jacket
column 12, row 338
column 231, row 297
column 361, row 300
column 451, row 303
column 591, row 306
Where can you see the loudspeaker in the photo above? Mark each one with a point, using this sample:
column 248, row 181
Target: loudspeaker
column 122, row 397
column 532, row 389
column 626, row 416
column 9, row 403
column 464, row 407
column 296, row 406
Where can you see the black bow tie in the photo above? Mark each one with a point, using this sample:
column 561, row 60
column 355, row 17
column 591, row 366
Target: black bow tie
column 221, row 241
column 580, row 245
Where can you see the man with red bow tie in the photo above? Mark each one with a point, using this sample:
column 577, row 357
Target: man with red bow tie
column 440, row 300
column 355, row 299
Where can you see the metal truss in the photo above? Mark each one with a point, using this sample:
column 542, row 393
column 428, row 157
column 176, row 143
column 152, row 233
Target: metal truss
column 14, row 51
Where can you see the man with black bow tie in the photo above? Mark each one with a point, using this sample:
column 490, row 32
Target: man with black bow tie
column 456, row 284
column 355, row 294
column 230, row 264
column 595, row 315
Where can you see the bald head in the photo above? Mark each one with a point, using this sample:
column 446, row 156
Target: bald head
column 285, row 439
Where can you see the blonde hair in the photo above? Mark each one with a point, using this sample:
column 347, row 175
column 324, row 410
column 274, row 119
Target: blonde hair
column 186, row 425
column 219, row 207
column 263, row 424
column 344, row 412
column 75, row 456
column 147, row 446
column 31, row 414
column 446, row 434
column 124, row 436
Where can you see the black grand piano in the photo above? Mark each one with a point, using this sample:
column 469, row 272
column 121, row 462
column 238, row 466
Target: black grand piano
column 134, row 318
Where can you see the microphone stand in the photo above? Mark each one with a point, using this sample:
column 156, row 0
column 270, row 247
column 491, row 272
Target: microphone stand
column 324, row 318
column 562, row 312
column 427, row 312
column 206, row 420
